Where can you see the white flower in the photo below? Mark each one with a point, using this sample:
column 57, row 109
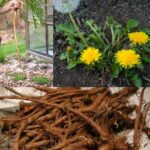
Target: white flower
column 66, row 6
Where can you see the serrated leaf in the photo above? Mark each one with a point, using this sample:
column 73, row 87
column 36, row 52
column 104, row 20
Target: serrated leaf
column 107, row 48
column 146, row 49
column 93, row 38
column 72, row 65
column 89, row 22
column 132, row 24
column 109, row 21
column 146, row 30
column 63, row 56
column 141, row 67
column 136, row 80
column 65, row 28
column 116, row 70
column 146, row 58
column 75, row 52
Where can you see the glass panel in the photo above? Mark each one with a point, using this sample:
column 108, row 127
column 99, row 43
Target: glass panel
column 50, row 37
column 37, row 38
column 50, row 40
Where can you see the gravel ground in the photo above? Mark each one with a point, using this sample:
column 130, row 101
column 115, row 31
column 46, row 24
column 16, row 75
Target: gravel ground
column 33, row 66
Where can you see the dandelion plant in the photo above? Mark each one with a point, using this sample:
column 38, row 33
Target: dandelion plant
column 123, row 49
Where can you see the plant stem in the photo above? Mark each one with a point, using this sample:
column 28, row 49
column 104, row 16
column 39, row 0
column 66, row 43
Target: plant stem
column 100, row 36
column 119, row 42
column 123, row 39
column 77, row 29
column 113, row 35
column 93, row 29
column 104, row 37
column 126, row 76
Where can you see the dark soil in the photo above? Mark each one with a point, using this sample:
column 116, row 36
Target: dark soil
column 121, row 10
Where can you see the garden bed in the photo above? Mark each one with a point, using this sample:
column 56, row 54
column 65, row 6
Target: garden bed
column 98, row 10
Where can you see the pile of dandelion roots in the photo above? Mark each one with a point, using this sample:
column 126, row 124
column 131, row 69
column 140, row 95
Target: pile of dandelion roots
column 75, row 119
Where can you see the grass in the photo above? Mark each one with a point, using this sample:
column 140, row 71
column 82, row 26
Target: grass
column 18, row 77
column 10, row 48
column 2, row 57
column 41, row 80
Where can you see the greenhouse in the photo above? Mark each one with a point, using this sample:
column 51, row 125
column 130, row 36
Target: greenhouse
column 40, row 40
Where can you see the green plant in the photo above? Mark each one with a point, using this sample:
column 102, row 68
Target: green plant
column 74, row 43
column 111, row 39
column 41, row 80
column 37, row 9
column 2, row 58
column 10, row 47
column 18, row 77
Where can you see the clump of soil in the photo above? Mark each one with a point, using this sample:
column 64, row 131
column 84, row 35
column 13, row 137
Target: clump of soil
column 121, row 10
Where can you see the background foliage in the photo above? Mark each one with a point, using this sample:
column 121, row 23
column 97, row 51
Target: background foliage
column 35, row 6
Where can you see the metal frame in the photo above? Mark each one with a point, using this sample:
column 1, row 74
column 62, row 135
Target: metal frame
column 48, row 22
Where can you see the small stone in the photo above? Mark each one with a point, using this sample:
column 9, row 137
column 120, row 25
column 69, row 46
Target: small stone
column 43, row 66
column 18, row 70
column 31, row 65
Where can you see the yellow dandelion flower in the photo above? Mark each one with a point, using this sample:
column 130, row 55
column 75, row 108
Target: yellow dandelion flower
column 127, row 58
column 90, row 55
column 69, row 48
column 138, row 38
